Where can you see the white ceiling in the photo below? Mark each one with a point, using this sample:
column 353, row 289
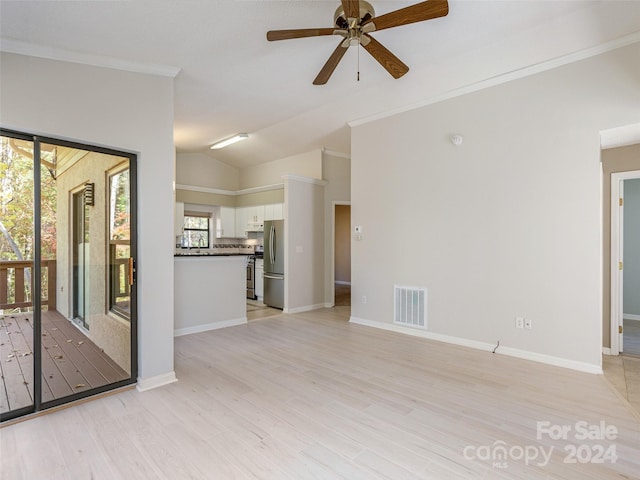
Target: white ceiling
column 232, row 80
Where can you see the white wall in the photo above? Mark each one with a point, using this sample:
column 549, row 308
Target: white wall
column 308, row 164
column 121, row 110
column 508, row 224
column 199, row 170
column 304, row 246
column 631, row 283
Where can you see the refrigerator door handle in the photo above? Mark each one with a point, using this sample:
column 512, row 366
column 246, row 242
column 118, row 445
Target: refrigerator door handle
column 272, row 232
column 274, row 242
column 273, row 277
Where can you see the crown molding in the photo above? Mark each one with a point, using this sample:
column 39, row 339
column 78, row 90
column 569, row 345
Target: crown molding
column 334, row 153
column 506, row 77
column 232, row 193
column 298, row 178
column 42, row 51
column 620, row 136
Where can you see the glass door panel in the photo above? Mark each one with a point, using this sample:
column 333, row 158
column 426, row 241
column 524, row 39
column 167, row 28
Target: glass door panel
column 86, row 331
column 16, row 276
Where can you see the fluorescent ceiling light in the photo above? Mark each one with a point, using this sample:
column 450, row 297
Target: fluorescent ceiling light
column 229, row 141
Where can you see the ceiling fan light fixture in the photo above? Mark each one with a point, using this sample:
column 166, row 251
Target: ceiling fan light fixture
column 229, row 141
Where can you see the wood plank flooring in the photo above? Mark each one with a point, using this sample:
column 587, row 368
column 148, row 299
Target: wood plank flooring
column 257, row 310
column 71, row 362
column 311, row 396
column 631, row 343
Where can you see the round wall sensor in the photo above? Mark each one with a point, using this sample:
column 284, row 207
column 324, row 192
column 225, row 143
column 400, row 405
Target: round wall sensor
column 456, row 140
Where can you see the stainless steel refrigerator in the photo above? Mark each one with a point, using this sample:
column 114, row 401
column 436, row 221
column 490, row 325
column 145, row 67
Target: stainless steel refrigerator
column 274, row 263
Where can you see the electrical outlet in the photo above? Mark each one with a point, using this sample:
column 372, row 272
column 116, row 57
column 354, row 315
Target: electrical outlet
column 364, row 299
column 527, row 323
column 519, row 322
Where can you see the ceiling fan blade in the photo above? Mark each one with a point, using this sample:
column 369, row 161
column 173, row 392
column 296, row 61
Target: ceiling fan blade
column 351, row 8
column 273, row 35
column 414, row 13
column 388, row 60
column 330, row 66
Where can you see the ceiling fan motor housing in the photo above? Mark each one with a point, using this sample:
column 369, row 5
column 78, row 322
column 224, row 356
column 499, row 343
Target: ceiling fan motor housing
column 366, row 12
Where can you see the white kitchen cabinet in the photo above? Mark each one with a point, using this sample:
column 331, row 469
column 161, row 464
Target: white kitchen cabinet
column 242, row 219
column 178, row 218
column 256, row 214
column 226, row 223
column 259, row 286
column 275, row 211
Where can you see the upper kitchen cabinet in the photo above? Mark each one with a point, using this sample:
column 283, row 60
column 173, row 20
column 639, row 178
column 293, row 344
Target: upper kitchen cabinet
column 255, row 217
column 275, row 211
column 226, row 223
column 242, row 220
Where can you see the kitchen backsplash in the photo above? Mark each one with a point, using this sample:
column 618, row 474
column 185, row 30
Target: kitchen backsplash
column 242, row 245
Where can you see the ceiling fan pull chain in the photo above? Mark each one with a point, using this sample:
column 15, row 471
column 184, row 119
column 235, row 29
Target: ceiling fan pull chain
column 358, row 63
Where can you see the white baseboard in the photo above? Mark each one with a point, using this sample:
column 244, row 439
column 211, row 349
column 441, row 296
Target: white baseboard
column 340, row 282
column 209, row 326
column 145, row 384
column 630, row 316
column 306, row 308
column 487, row 347
column 606, row 351
column 551, row 360
column 394, row 327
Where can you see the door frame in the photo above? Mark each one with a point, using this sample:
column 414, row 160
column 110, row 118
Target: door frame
column 77, row 198
column 617, row 255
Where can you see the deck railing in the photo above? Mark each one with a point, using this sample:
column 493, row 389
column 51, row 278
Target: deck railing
column 13, row 293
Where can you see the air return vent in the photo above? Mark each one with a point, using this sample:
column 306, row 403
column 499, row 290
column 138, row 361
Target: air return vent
column 410, row 306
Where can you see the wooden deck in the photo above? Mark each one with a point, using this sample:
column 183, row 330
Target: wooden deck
column 71, row 363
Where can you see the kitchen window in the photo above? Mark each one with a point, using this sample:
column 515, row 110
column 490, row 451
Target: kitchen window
column 196, row 230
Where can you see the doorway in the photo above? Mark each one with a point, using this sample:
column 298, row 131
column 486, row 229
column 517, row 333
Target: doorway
column 342, row 255
column 625, row 262
column 68, row 316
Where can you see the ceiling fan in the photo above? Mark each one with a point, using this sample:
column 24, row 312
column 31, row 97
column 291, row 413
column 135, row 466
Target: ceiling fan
column 355, row 20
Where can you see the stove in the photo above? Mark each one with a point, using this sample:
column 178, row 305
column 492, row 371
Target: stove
column 251, row 277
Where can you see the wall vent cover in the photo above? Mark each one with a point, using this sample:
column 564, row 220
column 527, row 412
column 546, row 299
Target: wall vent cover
column 410, row 306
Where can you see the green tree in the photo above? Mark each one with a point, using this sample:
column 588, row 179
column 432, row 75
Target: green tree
column 17, row 201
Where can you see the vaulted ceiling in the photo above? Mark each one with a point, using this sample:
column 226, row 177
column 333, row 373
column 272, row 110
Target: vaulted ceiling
column 230, row 79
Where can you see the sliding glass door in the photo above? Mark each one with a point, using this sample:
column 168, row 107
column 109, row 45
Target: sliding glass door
column 80, row 259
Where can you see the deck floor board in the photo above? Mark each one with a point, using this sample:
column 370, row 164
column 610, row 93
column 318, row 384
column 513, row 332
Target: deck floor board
column 16, row 368
column 71, row 362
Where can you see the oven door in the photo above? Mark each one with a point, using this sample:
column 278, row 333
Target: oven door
column 251, row 279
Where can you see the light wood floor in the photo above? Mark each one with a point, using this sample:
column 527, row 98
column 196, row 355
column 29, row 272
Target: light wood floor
column 342, row 295
column 257, row 310
column 631, row 342
column 311, row 396
column 623, row 371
